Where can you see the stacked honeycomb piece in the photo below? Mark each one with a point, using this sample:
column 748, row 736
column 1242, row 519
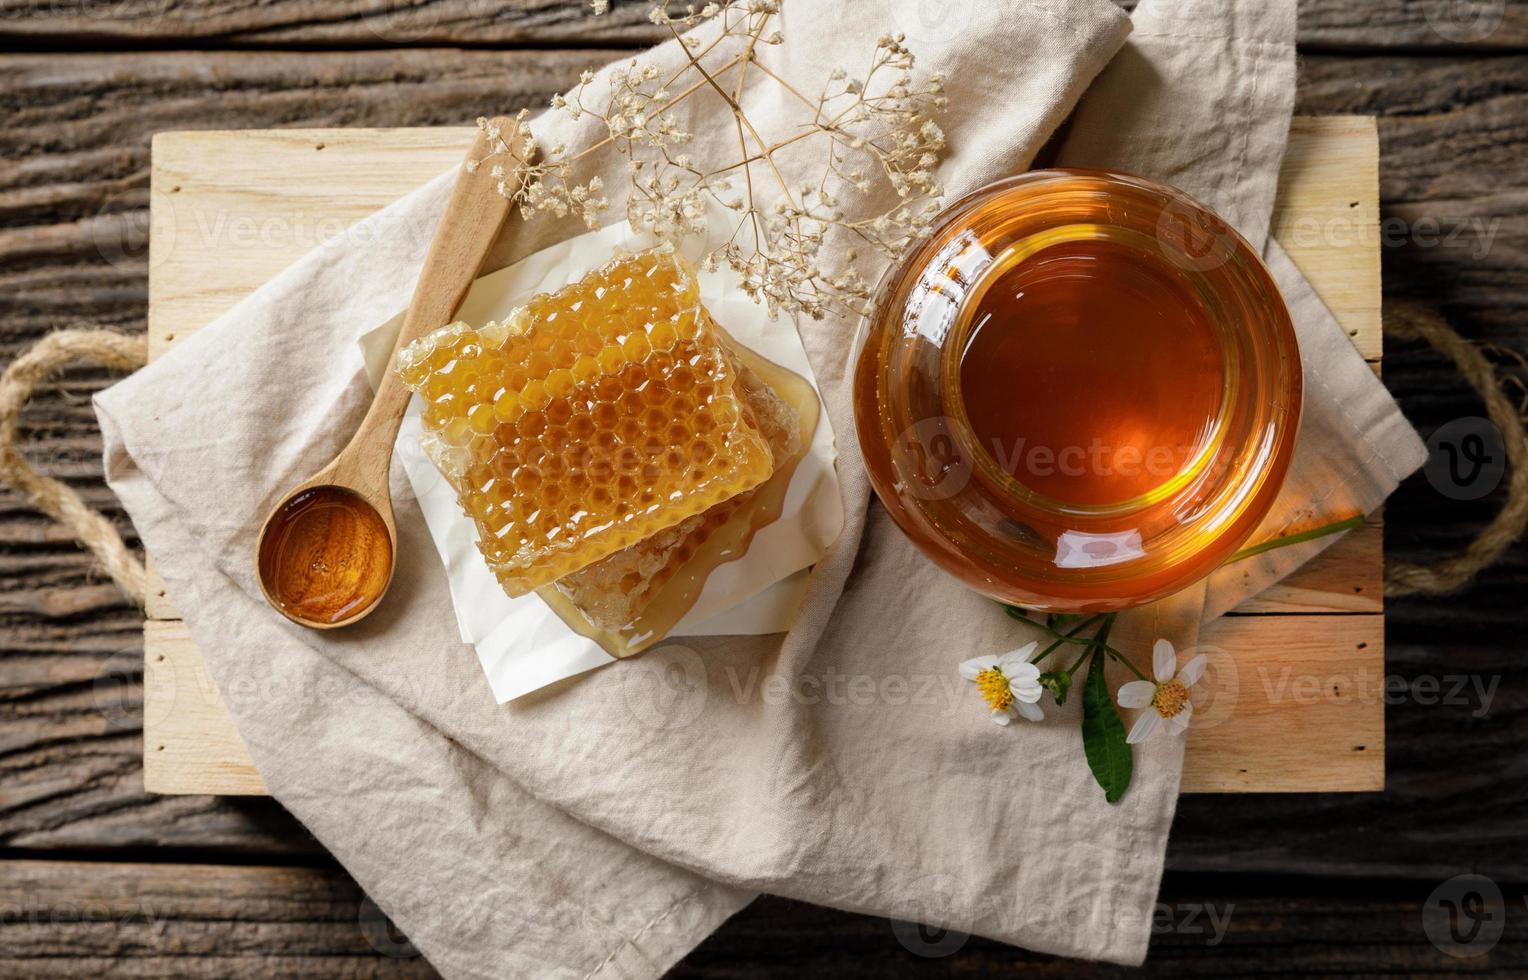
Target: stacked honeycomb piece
column 590, row 420
column 613, row 592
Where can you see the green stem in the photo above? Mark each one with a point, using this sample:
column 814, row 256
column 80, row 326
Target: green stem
column 1301, row 538
column 1131, row 664
column 1014, row 613
column 1078, row 662
column 1071, row 632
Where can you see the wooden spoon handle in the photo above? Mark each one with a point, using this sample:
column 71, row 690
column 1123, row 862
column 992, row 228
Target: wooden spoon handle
column 467, row 230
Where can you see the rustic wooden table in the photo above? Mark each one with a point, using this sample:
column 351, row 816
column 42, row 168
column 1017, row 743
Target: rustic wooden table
column 98, row 877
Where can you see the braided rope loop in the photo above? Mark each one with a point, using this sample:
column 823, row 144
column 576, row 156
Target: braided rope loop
column 52, row 354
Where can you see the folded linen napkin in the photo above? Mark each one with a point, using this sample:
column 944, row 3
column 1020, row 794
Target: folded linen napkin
column 603, row 827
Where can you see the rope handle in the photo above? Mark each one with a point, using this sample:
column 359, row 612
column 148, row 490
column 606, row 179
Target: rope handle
column 1411, row 322
column 47, row 357
column 121, row 352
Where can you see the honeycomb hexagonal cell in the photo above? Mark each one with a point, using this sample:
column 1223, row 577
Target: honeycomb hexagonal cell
column 613, row 592
column 590, row 419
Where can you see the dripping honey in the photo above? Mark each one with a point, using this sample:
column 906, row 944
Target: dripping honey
column 326, row 555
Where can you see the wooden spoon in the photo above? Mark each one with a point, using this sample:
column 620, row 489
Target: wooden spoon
column 325, row 556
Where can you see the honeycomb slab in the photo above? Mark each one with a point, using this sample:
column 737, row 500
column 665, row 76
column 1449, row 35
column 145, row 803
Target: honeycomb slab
column 613, row 592
column 590, row 419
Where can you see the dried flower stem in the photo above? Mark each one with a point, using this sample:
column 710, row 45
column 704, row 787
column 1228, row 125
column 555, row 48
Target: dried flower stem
column 876, row 129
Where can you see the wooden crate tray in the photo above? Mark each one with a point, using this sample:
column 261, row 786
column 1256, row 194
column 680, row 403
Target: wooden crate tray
column 232, row 209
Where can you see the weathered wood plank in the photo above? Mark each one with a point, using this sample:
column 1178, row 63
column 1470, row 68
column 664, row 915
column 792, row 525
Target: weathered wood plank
column 1482, row 25
column 189, row 742
column 68, row 919
column 64, row 919
column 1203, row 927
column 1327, row 217
column 1453, row 182
column 1347, row 577
column 71, row 753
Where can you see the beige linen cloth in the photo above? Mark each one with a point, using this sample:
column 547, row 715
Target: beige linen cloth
column 602, row 827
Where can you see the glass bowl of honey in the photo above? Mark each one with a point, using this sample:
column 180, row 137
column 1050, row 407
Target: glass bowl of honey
column 1080, row 392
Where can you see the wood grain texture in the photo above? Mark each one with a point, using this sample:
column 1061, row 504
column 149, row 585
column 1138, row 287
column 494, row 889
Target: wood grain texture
column 68, row 919
column 1327, row 217
column 1295, row 704
column 1453, row 184
column 1482, row 25
column 190, row 744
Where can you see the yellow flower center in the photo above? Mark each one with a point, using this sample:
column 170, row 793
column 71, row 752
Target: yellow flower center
column 1170, row 698
column 995, row 689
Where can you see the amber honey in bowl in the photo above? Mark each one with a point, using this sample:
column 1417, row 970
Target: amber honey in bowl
column 1081, row 393
column 1065, row 381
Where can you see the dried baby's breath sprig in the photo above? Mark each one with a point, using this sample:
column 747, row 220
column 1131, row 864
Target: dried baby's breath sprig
column 869, row 131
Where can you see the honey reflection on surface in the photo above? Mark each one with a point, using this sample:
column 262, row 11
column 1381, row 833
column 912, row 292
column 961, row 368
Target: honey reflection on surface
column 1080, row 393
column 326, row 556
column 727, row 543
column 1092, row 373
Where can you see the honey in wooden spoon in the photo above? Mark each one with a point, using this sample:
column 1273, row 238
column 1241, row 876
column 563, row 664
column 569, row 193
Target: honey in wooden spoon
column 326, row 551
column 327, row 556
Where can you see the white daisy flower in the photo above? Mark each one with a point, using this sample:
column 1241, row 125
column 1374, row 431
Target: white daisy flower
column 1010, row 684
column 1167, row 697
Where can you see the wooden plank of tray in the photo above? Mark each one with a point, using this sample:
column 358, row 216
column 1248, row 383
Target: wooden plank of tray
column 1296, row 701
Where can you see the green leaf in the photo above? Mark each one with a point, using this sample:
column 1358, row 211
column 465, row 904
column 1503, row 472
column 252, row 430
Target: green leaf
column 1065, row 621
column 1103, row 734
column 1058, row 682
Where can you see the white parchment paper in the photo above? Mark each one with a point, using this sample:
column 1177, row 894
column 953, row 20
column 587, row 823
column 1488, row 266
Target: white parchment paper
column 520, row 642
